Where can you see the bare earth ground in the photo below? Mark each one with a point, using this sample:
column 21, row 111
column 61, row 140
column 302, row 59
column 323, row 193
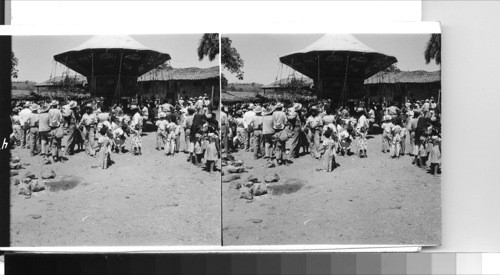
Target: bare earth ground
column 374, row 200
column 139, row 200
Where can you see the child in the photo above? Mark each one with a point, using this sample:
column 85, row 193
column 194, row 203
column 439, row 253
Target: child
column 395, row 142
column 211, row 153
column 363, row 142
column 345, row 141
column 104, row 143
column 329, row 147
column 136, row 139
column 402, row 134
column 422, row 152
column 161, row 133
column 386, row 134
column 435, row 156
column 170, row 141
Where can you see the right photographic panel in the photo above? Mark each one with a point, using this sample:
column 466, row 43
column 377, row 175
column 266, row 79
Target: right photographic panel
column 331, row 139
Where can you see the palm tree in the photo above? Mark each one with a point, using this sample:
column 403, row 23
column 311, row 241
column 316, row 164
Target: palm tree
column 209, row 46
column 433, row 49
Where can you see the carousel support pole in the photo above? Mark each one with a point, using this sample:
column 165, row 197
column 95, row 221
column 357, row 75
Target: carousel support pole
column 212, row 99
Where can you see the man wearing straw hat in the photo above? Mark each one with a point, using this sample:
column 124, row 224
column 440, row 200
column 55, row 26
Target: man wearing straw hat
column 89, row 122
column 256, row 125
column 71, row 117
column 32, row 123
column 280, row 137
column 23, row 119
column 247, row 118
column 44, row 128
column 56, row 131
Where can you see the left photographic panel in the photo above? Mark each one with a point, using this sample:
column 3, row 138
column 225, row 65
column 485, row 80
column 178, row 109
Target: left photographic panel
column 114, row 140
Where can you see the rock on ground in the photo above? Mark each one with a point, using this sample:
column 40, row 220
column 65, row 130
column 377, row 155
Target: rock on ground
column 26, row 180
column 271, row 177
column 233, row 169
column 246, row 193
column 235, row 185
column 15, row 166
column 14, row 173
column 252, row 178
column 229, row 178
column 259, row 189
column 14, row 181
column 48, row 174
column 36, row 186
column 30, row 175
column 15, row 159
column 238, row 163
column 25, row 190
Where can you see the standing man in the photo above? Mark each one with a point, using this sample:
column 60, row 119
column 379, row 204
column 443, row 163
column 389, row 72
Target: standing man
column 24, row 115
column 89, row 122
column 247, row 118
column 44, row 129
column 256, row 125
column 71, row 117
column 56, row 131
column 33, row 130
column 279, row 123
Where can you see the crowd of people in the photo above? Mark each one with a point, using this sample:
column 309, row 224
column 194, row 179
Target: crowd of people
column 101, row 130
column 279, row 132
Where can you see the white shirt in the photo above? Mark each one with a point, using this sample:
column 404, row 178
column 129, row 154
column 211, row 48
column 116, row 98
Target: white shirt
column 24, row 115
column 248, row 117
column 361, row 122
column 137, row 119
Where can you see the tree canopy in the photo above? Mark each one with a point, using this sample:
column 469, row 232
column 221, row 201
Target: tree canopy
column 433, row 49
column 231, row 59
column 208, row 46
column 13, row 69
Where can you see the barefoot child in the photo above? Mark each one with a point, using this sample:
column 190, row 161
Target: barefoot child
column 161, row 132
column 211, row 153
column 435, row 156
column 395, row 142
column 170, row 141
column 363, row 142
column 329, row 149
column 104, row 148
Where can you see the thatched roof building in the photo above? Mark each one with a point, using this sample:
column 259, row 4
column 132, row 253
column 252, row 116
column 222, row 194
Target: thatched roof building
column 181, row 82
column 404, row 85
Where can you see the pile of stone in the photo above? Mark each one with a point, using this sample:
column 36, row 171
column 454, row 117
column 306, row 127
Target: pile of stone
column 251, row 186
column 31, row 184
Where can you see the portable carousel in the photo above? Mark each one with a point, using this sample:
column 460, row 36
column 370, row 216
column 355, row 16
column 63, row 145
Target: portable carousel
column 338, row 65
column 112, row 64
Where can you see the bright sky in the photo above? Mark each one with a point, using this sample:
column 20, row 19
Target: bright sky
column 261, row 52
column 36, row 53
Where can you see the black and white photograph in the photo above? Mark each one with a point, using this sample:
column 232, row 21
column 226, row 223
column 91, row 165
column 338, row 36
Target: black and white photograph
column 331, row 139
column 115, row 140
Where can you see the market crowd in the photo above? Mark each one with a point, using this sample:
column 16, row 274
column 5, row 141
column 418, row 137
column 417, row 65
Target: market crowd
column 57, row 130
column 279, row 132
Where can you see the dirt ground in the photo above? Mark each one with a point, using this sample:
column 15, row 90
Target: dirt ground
column 140, row 200
column 374, row 200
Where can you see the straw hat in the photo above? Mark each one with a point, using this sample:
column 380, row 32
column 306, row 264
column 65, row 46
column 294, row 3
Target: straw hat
column 279, row 105
column 387, row 118
column 257, row 109
column 133, row 107
column 27, row 104
column 269, row 110
column 297, row 106
column 208, row 116
column 162, row 115
column 44, row 108
column 89, row 106
column 54, row 103
column 33, row 107
column 72, row 104
column 251, row 106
